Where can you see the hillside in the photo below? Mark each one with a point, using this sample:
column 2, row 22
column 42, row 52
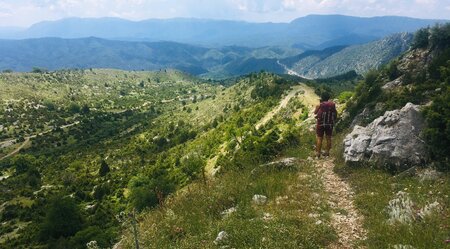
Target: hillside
column 168, row 160
column 360, row 58
column 277, row 196
column 334, row 30
column 56, row 53
column 92, row 140
column 216, row 63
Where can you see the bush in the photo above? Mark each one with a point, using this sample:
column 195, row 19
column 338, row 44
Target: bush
column 366, row 93
column 23, row 163
column 421, row 38
column 104, row 168
column 437, row 133
column 440, row 36
column 74, row 108
column 345, row 96
column 192, row 164
column 103, row 237
column 150, row 190
column 62, row 219
column 268, row 86
column 392, row 70
column 324, row 89
column 101, row 190
column 39, row 70
column 437, row 67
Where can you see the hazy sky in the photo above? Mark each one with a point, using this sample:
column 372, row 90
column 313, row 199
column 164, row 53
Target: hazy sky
column 27, row 12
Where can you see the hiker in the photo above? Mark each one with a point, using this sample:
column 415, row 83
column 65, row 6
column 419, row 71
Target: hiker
column 326, row 115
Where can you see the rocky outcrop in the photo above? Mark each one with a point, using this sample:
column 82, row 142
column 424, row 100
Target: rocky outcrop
column 392, row 139
column 393, row 84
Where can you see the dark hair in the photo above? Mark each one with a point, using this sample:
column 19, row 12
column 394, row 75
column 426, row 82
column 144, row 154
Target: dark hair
column 325, row 96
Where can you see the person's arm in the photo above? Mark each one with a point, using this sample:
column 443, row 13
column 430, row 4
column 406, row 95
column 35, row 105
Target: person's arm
column 335, row 112
column 317, row 109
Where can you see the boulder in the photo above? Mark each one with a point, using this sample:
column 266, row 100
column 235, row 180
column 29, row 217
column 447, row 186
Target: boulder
column 362, row 117
column 393, row 84
column 392, row 139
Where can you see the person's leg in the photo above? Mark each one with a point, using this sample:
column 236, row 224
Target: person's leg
column 327, row 152
column 328, row 133
column 319, row 140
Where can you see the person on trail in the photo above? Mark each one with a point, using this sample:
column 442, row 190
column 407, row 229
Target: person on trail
column 326, row 116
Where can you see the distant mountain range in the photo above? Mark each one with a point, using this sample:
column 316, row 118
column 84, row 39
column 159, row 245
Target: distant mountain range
column 309, row 32
column 58, row 53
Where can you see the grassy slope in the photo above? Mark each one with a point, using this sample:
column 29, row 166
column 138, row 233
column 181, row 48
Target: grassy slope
column 424, row 80
column 76, row 160
column 374, row 188
column 193, row 217
column 73, row 166
column 297, row 214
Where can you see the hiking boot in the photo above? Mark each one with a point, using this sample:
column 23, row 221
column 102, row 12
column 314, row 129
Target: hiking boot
column 317, row 156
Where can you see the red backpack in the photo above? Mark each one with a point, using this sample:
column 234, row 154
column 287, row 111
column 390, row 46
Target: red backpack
column 326, row 116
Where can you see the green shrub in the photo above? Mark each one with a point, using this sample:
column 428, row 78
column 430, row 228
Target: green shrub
column 191, row 165
column 104, row 168
column 320, row 90
column 436, row 69
column 39, row 70
column 440, row 36
column 421, row 38
column 437, row 133
column 23, row 163
column 345, row 96
column 392, row 70
column 102, row 236
column 268, row 85
column 150, row 190
column 62, row 219
column 74, row 108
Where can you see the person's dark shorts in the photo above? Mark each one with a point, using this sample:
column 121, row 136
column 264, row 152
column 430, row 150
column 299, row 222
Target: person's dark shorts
column 321, row 130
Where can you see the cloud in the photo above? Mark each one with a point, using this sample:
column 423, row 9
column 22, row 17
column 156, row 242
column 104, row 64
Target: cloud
column 27, row 12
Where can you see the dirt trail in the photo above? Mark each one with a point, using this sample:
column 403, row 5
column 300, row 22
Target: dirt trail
column 345, row 219
column 25, row 143
column 308, row 97
column 27, row 140
column 306, row 93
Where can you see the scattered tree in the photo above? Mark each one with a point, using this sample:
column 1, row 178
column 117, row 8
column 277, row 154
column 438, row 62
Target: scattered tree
column 62, row 219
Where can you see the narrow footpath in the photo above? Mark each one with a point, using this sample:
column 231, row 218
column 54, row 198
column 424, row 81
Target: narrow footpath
column 345, row 219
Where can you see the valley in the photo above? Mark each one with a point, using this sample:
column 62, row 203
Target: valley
column 185, row 141
column 211, row 49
